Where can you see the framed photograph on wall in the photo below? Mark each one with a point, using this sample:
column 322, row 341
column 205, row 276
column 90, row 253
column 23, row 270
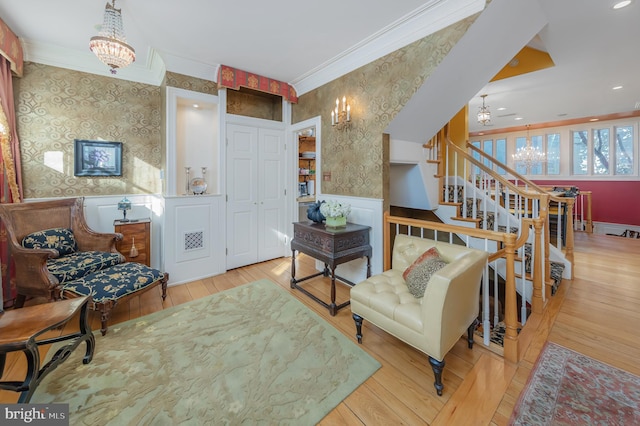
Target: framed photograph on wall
column 98, row 158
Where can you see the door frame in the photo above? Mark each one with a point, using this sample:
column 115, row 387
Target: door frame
column 292, row 140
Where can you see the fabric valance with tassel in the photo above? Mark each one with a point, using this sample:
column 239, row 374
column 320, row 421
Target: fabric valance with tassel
column 234, row 78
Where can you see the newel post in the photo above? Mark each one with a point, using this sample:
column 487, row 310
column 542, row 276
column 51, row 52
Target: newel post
column 386, row 242
column 510, row 314
column 537, row 301
column 568, row 251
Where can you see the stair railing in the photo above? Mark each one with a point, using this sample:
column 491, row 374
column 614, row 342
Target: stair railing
column 559, row 208
column 502, row 247
column 511, row 204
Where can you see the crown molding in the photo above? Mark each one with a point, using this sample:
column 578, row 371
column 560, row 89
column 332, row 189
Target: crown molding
column 150, row 71
column 429, row 18
column 190, row 67
column 432, row 16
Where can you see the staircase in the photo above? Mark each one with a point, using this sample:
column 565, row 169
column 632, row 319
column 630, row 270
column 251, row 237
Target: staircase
column 474, row 195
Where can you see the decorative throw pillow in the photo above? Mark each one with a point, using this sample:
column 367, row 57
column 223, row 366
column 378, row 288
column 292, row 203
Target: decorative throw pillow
column 61, row 239
column 417, row 275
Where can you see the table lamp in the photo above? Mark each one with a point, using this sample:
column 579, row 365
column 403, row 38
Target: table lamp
column 124, row 205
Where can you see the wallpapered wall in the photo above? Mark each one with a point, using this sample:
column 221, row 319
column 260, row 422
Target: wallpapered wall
column 186, row 82
column 54, row 106
column 377, row 92
column 255, row 104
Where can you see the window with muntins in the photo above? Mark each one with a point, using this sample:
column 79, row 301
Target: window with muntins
column 536, row 142
column 597, row 150
column 580, row 152
column 600, row 151
column 553, row 154
column 623, row 148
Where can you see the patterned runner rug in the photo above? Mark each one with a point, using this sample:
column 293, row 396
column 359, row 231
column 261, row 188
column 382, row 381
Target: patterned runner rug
column 568, row 388
column 249, row 355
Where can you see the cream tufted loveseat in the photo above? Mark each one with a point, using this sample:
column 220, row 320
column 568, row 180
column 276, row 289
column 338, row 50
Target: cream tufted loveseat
column 433, row 323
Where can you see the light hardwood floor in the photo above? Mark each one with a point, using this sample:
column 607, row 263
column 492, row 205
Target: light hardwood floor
column 595, row 314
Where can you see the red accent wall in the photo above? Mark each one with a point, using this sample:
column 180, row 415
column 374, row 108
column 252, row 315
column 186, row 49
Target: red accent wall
column 611, row 201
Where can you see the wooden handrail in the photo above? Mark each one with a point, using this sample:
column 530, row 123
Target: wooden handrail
column 497, row 177
column 502, row 165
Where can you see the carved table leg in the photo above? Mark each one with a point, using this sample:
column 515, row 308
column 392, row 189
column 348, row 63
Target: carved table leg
column 85, row 333
column 333, row 309
column 293, row 269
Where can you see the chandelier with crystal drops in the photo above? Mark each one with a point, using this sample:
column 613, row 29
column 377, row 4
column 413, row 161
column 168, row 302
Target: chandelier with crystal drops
column 484, row 115
column 529, row 156
column 110, row 45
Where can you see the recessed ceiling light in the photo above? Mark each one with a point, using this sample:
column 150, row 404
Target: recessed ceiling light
column 501, row 109
column 518, row 118
column 622, row 4
column 196, row 106
column 594, row 119
column 616, row 88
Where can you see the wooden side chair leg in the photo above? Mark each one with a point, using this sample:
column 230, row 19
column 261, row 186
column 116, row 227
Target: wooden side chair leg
column 105, row 314
column 165, row 280
column 358, row 319
column 19, row 302
column 470, row 331
column 437, row 367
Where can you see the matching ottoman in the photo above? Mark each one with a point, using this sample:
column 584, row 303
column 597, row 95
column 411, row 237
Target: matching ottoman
column 115, row 284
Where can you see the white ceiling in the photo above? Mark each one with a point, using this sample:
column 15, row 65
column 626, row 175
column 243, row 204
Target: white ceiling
column 594, row 47
column 287, row 40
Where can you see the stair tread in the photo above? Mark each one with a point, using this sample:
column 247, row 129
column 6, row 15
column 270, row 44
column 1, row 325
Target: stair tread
column 527, row 276
column 466, row 219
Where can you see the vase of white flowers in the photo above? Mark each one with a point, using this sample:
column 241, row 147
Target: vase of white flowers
column 335, row 213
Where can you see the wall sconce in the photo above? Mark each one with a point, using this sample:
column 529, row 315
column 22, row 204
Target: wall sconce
column 341, row 117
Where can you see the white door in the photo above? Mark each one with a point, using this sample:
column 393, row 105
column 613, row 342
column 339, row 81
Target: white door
column 255, row 191
column 242, row 193
column 271, row 203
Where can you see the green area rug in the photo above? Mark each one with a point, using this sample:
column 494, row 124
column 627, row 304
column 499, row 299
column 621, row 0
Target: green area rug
column 249, row 355
column 569, row 388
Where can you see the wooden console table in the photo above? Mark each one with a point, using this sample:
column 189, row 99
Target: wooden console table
column 333, row 246
column 23, row 330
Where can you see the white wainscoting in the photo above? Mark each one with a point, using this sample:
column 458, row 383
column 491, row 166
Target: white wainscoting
column 173, row 219
column 612, row 228
column 194, row 237
column 100, row 212
column 364, row 211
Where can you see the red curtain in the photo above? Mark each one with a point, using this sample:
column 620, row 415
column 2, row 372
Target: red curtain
column 10, row 172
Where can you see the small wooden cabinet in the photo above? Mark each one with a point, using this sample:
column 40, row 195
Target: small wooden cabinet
column 136, row 233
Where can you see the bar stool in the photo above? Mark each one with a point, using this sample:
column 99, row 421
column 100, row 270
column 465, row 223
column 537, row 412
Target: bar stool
column 21, row 328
